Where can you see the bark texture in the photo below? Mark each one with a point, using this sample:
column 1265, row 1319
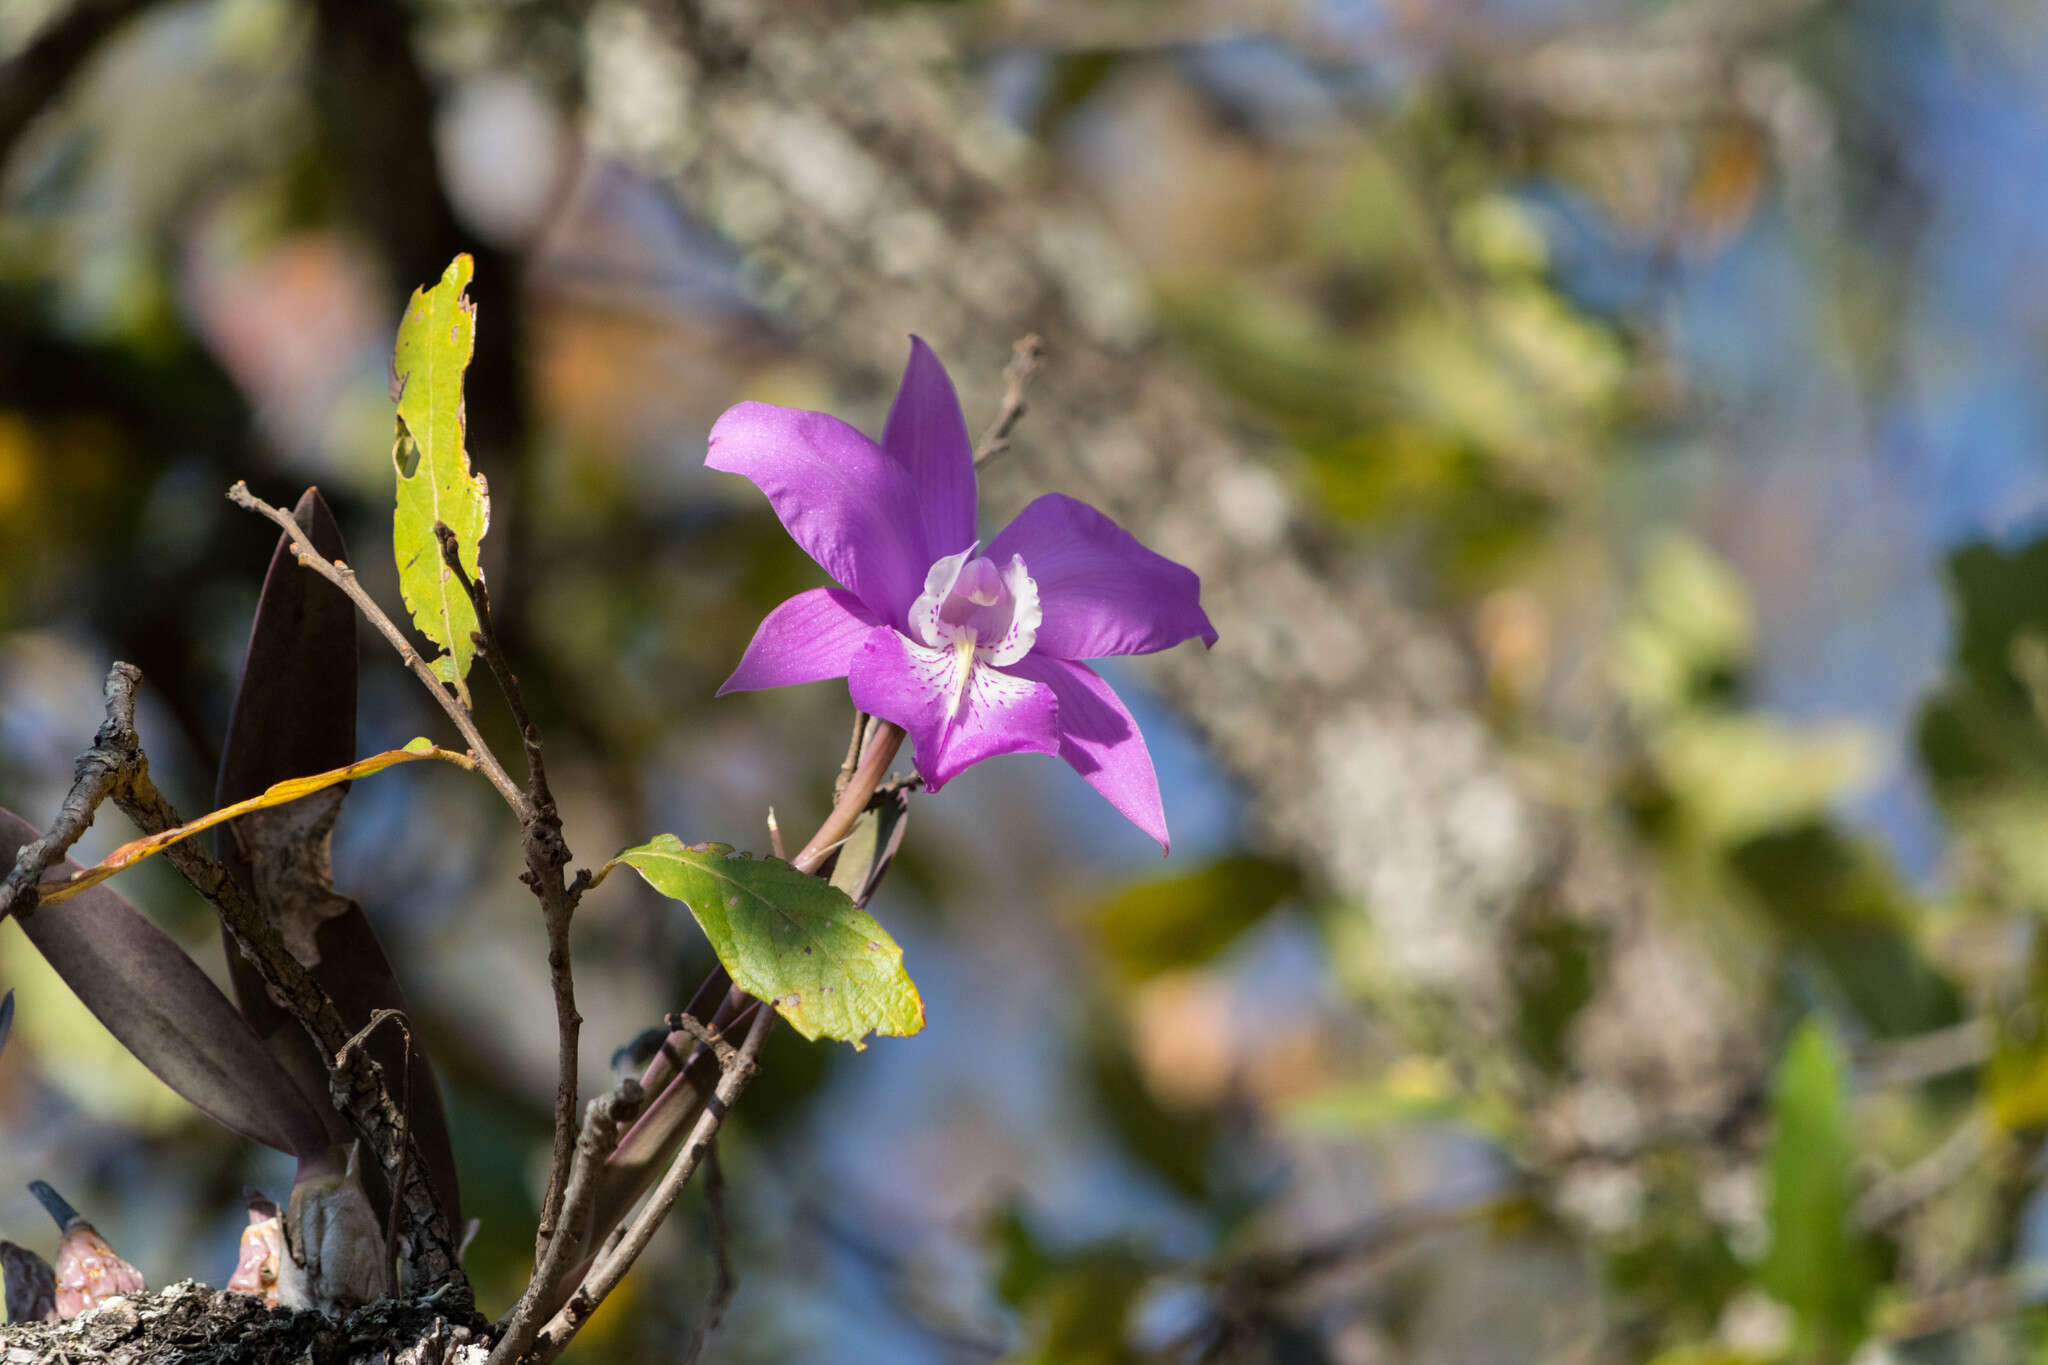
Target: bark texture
column 195, row 1325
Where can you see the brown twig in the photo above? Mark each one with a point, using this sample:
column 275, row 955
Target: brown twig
column 602, row 1119
column 625, row 1243
column 547, row 853
column 117, row 768
column 540, row 824
column 612, row 1267
column 704, row 1033
column 1026, row 356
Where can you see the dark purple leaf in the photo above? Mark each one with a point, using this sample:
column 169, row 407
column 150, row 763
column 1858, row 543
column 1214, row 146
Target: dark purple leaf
column 138, row 982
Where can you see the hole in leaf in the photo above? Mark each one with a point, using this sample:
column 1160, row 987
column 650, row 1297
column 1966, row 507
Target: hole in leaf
column 405, row 451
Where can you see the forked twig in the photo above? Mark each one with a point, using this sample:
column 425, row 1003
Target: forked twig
column 1026, row 357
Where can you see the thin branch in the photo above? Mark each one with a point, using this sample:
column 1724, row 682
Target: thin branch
column 343, row 577
column 639, row 1231
column 117, row 768
column 1926, row 1056
column 547, row 853
column 1989, row 1299
column 602, row 1119
column 1026, row 356
column 485, row 637
column 710, row 1037
column 723, row 1281
column 1380, row 1235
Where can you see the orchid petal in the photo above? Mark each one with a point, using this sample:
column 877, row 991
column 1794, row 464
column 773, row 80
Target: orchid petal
column 1101, row 742
column 1101, row 591
column 851, row 507
column 928, row 435
column 902, row 681
column 811, row 637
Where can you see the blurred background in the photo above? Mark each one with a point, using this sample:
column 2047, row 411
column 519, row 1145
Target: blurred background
column 1604, row 916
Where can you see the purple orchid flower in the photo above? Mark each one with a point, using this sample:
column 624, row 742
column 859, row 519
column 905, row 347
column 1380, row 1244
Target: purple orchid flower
column 973, row 654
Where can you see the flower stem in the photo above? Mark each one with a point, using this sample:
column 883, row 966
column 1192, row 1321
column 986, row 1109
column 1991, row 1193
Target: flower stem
column 874, row 765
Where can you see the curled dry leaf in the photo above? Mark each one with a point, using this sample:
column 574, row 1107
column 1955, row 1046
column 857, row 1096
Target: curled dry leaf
column 276, row 794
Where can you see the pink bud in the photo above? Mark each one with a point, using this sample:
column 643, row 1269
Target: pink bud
column 88, row 1271
column 262, row 1245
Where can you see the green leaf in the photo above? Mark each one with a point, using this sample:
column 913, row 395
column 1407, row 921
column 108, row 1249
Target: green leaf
column 1815, row 1266
column 793, row 940
column 434, row 482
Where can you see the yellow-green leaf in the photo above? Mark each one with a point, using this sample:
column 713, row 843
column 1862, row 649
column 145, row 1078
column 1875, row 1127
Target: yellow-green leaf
column 434, row 480
column 277, row 794
column 794, row 940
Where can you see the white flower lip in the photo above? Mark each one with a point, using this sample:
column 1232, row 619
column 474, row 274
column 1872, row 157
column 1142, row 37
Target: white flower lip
column 992, row 610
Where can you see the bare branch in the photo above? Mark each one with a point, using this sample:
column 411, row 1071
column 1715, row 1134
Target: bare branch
column 727, row 1054
column 638, row 1232
column 600, row 1134
column 1968, row 1148
column 1025, row 358
column 846, row 765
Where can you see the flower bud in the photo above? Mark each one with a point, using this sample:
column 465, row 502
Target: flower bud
column 88, row 1272
column 262, row 1252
